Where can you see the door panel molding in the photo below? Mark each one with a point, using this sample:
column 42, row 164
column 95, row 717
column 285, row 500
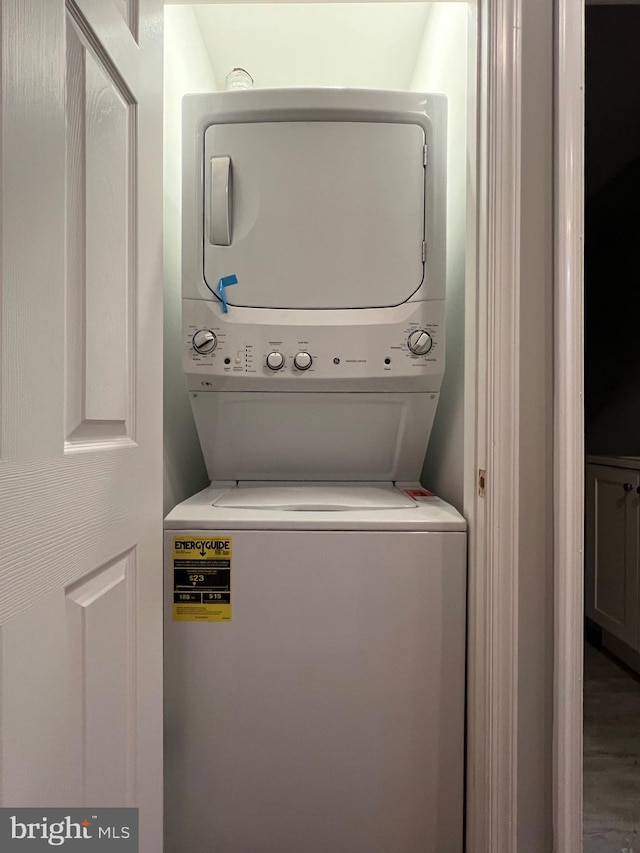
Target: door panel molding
column 108, row 33
column 100, row 385
column 101, row 610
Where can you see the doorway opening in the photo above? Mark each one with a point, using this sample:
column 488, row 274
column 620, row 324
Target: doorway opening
column 612, row 438
column 406, row 46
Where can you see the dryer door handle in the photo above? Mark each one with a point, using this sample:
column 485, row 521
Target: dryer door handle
column 220, row 207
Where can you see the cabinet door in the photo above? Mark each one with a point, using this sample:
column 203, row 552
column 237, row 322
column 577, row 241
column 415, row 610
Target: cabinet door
column 613, row 510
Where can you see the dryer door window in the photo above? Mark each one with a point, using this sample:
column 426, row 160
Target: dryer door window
column 315, row 214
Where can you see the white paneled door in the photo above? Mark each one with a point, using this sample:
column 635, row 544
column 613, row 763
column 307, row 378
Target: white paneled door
column 80, row 406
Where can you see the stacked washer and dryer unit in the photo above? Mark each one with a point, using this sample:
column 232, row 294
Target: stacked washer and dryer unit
column 315, row 616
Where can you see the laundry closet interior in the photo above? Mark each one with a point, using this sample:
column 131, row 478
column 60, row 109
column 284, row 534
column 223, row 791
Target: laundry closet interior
column 318, row 198
column 421, row 47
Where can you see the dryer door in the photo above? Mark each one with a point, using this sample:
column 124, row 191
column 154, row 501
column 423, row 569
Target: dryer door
column 315, row 214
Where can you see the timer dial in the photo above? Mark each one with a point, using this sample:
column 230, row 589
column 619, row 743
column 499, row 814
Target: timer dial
column 204, row 341
column 302, row 360
column 420, row 342
column 275, row 361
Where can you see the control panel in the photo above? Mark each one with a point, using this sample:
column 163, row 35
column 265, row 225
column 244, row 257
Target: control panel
column 320, row 350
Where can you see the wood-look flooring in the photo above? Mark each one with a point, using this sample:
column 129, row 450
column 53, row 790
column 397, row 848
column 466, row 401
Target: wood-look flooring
column 611, row 756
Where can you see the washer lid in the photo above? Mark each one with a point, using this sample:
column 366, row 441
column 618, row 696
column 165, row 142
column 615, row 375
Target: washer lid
column 315, row 498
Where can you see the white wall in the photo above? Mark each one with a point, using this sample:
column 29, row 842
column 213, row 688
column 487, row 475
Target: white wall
column 187, row 69
column 442, row 67
column 369, row 45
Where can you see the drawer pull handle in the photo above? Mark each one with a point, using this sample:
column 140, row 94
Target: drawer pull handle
column 628, row 487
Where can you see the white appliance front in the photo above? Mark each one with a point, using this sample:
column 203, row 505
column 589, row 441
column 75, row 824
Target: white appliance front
column 327, row 714
column 315, row 198
column 341, row 240
column 313, row 268
column 316, row 702
column 280, row 436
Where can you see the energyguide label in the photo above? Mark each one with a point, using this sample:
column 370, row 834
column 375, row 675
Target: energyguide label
column 202, row 579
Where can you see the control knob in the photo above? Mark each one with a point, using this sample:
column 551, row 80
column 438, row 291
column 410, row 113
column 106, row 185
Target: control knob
column 275, row 360
column 204, row 341
column 302, row 360
column 420, row 342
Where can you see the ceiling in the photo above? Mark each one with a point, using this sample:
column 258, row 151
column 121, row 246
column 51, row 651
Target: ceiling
column 371, row 45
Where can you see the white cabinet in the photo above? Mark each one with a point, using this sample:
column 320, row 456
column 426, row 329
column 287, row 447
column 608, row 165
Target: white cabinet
column 612, row 530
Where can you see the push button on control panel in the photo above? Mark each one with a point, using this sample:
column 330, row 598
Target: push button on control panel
column 303, row 360
column 420, row 342
column 275, row 361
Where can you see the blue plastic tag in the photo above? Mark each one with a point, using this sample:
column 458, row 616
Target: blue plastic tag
column 225, row 281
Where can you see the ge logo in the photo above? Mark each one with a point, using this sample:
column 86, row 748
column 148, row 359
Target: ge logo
column 336, row 361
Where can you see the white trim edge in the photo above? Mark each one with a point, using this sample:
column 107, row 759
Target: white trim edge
column 568, row 427
column 493, row 547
